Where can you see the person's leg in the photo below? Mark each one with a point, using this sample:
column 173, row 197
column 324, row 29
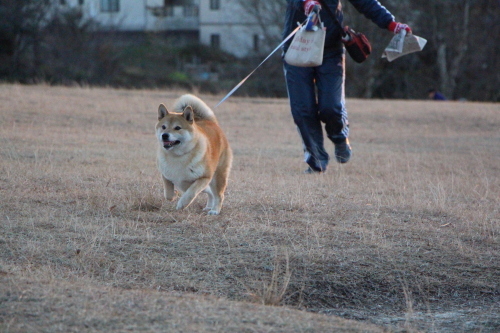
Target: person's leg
column 301, row 93
column 330, row 82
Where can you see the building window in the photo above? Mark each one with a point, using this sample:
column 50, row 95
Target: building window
column 256, row 44
column 214, row 4
column 110, row 6
column 190, row 11
column 215, row 41
column 162, row 11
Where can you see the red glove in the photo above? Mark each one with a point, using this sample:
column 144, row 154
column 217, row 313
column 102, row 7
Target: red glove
column 309, row 6
column 396, row 27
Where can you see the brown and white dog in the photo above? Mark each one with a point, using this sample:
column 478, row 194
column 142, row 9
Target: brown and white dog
column 193, row 154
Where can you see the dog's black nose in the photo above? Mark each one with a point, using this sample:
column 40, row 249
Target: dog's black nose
column 164, row 136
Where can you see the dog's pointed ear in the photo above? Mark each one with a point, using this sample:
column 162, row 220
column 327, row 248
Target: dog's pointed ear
column 188, row 114
column 162, row 111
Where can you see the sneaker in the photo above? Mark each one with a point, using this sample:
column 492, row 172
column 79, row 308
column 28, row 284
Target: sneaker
column 343, row 151
column 312, row 171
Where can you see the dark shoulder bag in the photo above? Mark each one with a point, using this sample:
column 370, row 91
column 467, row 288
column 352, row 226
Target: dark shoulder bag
column 356, row 43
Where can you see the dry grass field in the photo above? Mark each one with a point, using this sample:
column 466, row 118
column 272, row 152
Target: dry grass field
column 403, row 238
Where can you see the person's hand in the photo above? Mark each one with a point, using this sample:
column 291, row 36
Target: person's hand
column 396, row 27
column 311, row 6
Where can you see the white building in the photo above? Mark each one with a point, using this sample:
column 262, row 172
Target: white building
column 219, row 23
column 224, row 24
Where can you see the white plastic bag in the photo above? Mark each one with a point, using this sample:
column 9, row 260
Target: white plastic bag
column 402, row 44
column 306, row 49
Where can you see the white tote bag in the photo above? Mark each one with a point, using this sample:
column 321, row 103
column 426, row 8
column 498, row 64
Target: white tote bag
column 306, row 49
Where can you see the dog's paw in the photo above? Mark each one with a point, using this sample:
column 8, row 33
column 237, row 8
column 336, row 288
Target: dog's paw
column 183, row 203
column 213, row 212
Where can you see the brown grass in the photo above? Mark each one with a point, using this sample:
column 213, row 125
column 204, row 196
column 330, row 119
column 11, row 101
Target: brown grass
column 405, row 237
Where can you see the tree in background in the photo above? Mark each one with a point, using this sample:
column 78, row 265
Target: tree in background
column 20, row 35
column 460, row 58
column 40, row 43
column 75, row 52
column 463, row 46
column 268, row 16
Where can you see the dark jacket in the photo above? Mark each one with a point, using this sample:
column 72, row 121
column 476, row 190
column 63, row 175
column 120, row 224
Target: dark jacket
column 372, row 9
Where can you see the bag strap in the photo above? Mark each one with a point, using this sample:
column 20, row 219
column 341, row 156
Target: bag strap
column 334, row 17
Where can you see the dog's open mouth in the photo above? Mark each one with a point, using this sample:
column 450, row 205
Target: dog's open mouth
column 170, row 144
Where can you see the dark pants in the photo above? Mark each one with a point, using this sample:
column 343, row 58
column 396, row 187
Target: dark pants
column 316, row 96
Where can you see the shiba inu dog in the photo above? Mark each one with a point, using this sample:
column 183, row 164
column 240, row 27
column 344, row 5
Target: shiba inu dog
column 193, row 154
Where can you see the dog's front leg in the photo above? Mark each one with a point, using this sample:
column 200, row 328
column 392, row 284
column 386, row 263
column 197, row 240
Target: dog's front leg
column 196, row 187
column 168, row 189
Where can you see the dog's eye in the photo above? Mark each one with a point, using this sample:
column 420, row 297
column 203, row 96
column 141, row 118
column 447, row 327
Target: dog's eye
column 164, row 127
column 177, row 128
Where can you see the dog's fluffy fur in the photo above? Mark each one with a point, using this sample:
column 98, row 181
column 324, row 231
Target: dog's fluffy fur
column 193, row 154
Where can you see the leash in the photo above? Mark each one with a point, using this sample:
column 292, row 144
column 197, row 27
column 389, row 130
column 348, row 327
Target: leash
column 263, row 61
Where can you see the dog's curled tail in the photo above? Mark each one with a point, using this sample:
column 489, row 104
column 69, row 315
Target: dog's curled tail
column 201, row 110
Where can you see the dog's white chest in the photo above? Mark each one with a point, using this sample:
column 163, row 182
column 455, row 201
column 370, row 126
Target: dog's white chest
column 180, row 169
